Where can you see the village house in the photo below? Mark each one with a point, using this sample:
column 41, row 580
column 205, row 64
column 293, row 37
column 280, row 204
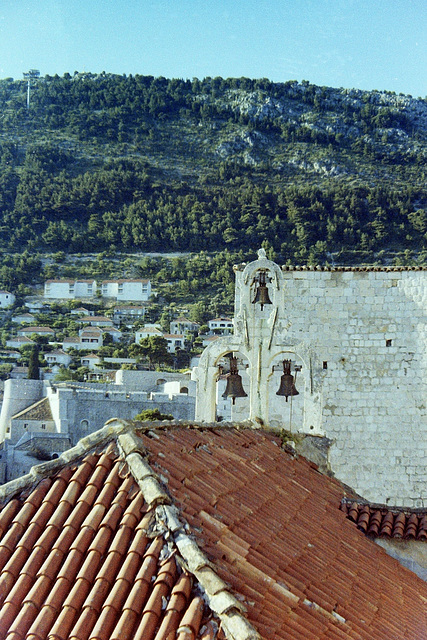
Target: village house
column 183, row 325
column 69, row 289
column 7, row 299
column 126, row 313
column 147, row 331
column 58, row 357
column 36, row 306
column 24, row 318
column 9, row 354
column 81, row 312
column 175, row 342
column 88, row 338
column 115, row 333
column 36, row 418
column 17, row 342
column 96, row 321
column 138, row 290
column 221, row 326
column 91, row 360
column 39, row 331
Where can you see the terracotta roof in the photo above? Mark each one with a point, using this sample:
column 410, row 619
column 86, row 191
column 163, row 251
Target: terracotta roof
column 381, row 521
column 113, row 534
column 40, row 410
column 361, row 268
column 285, row 267
column 69, row 281
column 123, row 280
column 36, row 330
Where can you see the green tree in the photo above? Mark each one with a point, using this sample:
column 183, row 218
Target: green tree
column 155, row 348
column 33, row 365
column 152, row 414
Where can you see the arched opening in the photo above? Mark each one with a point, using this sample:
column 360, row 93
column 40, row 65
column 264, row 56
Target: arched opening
column 84, row 427
column 184, row 390
column 232, row 408
column 286, row 392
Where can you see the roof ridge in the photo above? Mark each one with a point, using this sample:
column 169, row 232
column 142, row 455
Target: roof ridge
column 169, row 523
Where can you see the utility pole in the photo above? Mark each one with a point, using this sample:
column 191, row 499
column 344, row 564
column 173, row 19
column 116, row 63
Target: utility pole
column 30, row 75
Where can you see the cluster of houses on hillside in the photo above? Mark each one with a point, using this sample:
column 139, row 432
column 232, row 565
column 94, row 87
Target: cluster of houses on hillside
column 94, row 331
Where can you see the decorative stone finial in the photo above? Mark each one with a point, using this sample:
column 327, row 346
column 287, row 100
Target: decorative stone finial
column 261, row 254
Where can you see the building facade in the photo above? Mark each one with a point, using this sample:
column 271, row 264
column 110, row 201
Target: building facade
column 356, row 342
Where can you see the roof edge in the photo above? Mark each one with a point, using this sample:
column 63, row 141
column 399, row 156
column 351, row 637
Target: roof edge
column 172, row 527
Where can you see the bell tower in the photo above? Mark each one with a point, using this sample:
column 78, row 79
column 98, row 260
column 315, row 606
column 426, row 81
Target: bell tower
column 270, row 361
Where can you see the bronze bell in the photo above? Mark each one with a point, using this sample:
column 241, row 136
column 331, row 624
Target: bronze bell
column 234, row 388
column 287, row 386
column 261, row 295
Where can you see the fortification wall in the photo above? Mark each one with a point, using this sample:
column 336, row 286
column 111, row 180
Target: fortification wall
column 362, row 340
column 18, row 395
column 85, row 411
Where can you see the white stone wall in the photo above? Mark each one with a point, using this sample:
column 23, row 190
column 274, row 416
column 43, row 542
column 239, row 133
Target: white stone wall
column 368, row 329
column 359, row 338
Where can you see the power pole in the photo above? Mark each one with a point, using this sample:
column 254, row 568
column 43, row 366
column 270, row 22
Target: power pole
column 30, row 75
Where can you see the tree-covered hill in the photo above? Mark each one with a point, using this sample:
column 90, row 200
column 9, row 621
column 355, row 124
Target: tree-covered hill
column 137, row 163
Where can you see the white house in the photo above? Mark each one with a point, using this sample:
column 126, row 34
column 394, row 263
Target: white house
column 138, row 290
column 96, row 321
column 7, row 299
column 116, row 334
column 23, row 318
column 40, row 331
column 36, row 306
column 19, row 341
column 90, row 361
column 128, row 312
column 69, row 289
column 58, row 357
column 145, row 332
column 9, row 354
column 175, row 341
column 182, row 325
column 221, row 326
column 88, row 338
column 82, row 312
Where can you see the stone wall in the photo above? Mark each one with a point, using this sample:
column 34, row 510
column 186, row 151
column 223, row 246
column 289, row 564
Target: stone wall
column 365, row 334
column 357, row 342
column 83, row 411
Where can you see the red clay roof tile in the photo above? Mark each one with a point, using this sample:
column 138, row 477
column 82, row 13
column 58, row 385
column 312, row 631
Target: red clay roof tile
column 82, row 565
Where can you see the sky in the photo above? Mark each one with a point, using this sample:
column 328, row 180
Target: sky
column 365, row 44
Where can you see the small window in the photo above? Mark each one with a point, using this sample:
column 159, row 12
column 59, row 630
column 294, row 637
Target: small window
column 388, row 343
column 325, row 364
column 43, row 425
column 25, row 425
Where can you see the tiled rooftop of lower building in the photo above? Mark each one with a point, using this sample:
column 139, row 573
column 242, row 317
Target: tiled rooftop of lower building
column 175, row 532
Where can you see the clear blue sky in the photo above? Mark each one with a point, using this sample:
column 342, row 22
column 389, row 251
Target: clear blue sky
column 369, row 44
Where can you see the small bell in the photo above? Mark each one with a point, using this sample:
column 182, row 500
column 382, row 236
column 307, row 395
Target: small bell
column 234, row 388
column 287, row 386
column 261, row 295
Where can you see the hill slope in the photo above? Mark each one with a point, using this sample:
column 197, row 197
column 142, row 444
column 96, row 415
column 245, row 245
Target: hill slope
column 148, row 164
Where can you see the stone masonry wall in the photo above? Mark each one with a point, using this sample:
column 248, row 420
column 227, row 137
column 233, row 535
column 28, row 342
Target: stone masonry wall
column 366, row 332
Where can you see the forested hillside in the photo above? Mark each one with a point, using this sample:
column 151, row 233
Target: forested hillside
column 137, row 163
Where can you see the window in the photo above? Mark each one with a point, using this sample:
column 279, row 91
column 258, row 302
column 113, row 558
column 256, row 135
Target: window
column 43, row 425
